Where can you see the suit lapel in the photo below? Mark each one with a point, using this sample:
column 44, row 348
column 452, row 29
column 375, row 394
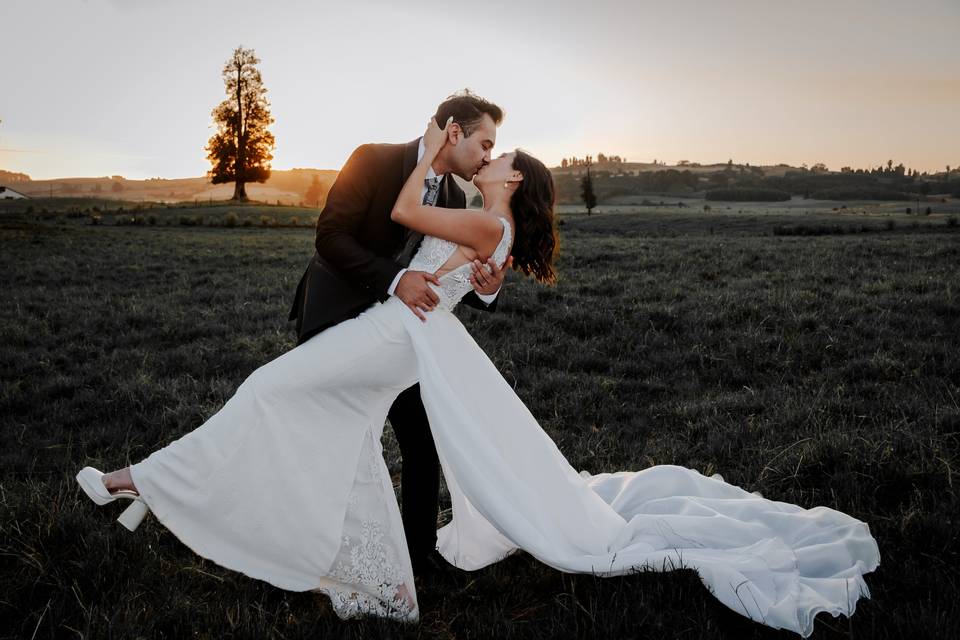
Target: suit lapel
column 409, row 160
column 410, row 239
column 450, row 194
column 442, row 197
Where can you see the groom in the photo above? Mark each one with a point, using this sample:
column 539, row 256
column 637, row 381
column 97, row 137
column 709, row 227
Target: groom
column 361, row 258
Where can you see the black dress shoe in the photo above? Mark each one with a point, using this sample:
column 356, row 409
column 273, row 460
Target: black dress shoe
column 431, row 566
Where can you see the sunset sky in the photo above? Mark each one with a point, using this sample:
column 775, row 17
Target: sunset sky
column 104, row 87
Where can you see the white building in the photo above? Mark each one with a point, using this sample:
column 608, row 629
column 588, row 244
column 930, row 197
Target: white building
column 6, row 193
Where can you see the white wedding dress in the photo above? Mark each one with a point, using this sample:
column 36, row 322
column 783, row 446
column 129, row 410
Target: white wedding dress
column 287, row 483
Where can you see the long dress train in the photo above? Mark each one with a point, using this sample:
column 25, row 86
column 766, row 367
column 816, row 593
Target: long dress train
column 287, row 483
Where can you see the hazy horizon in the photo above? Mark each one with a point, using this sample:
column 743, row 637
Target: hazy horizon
column 125, row 87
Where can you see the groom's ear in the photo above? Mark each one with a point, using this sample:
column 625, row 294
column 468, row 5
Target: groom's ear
column 454, row 133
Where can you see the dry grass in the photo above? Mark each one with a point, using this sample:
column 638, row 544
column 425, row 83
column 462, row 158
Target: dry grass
column 817, row 370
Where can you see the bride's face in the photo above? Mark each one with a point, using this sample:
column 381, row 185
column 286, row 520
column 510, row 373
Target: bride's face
column 499, row 169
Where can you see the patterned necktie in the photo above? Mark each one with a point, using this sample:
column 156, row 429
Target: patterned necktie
column 433, row 190
column 414, row 237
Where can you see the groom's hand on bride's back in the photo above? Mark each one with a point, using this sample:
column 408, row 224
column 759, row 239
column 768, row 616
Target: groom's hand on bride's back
column 415, row 293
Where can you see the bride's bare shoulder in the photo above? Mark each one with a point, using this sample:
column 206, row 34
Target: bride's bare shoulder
column 502, row 215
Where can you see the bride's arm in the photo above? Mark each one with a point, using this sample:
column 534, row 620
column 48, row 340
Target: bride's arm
column 480, row 232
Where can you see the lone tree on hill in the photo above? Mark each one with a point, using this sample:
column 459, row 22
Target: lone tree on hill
column 586, row 191
column 241, row 150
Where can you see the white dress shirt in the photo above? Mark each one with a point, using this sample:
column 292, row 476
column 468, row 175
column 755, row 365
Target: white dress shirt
column 487, row 299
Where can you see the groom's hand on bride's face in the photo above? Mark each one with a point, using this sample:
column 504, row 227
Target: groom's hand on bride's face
column 487, row 278
column 415, row 292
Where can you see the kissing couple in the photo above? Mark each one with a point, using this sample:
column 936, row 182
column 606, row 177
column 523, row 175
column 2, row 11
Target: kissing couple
column 287, row 483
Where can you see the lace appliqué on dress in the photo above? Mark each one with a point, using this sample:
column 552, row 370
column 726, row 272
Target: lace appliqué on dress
column 432, row 254
column 456, row 283
column 371, row 574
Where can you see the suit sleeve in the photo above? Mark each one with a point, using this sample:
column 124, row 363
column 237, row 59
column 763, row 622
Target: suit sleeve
column 341, row 221
column 473, row 300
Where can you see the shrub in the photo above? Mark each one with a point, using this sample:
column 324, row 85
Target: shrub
column 230, row 219
column 744, row 194
column 185, row 221
column 927, row 211
column 815, row 230
column 247, row 222
column 890, row 224
column 952, row 221
column 152, row 220
column 295, row 221
column 265, row 220
column 859, row 193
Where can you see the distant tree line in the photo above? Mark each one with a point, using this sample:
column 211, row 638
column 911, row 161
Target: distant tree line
column 588, row 160
column 746, row 183
column 12, row 176
column 607, row 184
column 881, row 183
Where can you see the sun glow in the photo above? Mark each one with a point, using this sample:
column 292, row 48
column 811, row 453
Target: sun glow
column 755, row 83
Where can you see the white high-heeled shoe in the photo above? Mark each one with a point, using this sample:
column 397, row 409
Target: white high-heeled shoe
column 91, row 481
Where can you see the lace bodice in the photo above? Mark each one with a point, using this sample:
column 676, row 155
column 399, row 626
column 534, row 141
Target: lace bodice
column 434, row 253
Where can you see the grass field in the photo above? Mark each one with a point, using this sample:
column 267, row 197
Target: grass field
column 101, row 211
column 819, row 369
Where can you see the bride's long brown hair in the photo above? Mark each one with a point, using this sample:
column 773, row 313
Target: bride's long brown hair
column 536, row 243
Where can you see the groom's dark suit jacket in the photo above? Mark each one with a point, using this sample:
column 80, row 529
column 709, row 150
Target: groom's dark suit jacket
column 357, row 241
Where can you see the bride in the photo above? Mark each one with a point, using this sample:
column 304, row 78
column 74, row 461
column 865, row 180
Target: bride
column 287, row 482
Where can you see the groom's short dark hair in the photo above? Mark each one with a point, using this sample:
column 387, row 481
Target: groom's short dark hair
column 467, row 109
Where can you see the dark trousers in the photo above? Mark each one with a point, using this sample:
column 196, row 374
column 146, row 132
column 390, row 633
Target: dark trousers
column 420, row 474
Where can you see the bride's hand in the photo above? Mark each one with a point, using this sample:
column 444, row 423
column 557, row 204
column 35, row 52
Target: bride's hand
column 434, row 138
